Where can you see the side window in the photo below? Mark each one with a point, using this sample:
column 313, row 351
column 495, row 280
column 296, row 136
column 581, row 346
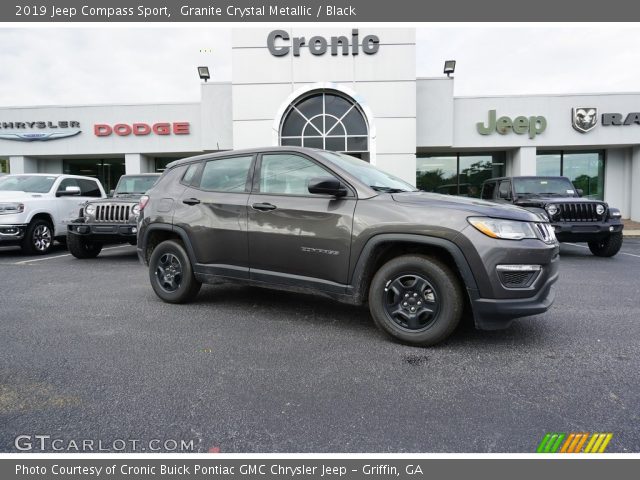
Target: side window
column 67, row 182
column 189, row 174
column 226, row 174
column 288, row 174
column 89, row 188
column 488, row 190
column 505, row 190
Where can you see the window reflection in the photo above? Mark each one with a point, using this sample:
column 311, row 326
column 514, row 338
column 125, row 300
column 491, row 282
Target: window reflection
column 584, row 169
column 461, row 174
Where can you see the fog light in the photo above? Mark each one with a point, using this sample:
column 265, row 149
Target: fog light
column 518, row 268
column 134, row 230
column 611, row 229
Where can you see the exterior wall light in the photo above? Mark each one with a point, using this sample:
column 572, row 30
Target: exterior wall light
column 449, row 67
column 204, row 73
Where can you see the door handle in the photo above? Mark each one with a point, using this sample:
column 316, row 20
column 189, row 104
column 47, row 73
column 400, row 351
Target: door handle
column 263, row 206
column 191, row 201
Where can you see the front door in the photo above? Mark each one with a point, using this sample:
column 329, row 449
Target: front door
column 295, row 237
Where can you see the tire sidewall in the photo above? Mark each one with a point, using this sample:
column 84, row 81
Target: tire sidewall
column 188, row 284
column 611, row 247
column 28, row 245
column 447, row 290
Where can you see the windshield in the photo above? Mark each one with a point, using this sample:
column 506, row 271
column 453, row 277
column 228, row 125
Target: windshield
column 26, row 183
column 363, row 171
column 135, row 184
column 558, row 186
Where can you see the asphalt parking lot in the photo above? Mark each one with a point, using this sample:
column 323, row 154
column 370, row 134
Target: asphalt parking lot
column 87, row 351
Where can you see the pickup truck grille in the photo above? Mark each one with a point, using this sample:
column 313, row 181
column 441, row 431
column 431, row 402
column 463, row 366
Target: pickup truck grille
column 116, row 213
column 578, row 212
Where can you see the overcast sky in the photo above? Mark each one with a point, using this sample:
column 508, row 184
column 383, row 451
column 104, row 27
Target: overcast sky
column 66, row 66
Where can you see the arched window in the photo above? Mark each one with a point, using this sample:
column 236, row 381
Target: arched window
column 327, row 120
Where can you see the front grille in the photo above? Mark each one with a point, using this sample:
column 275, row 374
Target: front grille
column 578, row 212
column 116, row 213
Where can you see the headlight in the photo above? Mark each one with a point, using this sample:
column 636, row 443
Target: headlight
column 11, row 208
column 552, row 209
column 135, row 210
column 506, row 229
column 90, row 209
column 600, row 209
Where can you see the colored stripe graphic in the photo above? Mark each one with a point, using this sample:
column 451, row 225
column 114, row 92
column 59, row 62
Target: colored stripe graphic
column 574, row 443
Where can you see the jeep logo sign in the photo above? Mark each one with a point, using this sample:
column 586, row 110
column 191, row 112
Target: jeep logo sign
column 519, row 125
column 280, row 44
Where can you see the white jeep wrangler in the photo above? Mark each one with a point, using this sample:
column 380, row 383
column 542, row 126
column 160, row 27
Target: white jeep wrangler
column 35, row 208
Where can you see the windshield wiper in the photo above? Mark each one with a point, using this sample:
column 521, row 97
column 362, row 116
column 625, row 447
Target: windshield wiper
column 388, row 189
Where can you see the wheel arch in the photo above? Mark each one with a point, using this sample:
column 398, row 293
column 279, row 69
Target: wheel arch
column 382, row 248
column 157, row 233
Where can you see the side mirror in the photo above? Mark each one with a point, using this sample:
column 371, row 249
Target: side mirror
column 70, row 191
column 504, row 195
column 327, row 186
column 580, row 192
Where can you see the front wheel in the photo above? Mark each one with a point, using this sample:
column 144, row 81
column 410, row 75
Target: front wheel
column 608, row 246
column 82, row 248
column 38, row 239
column 171, row 274
column 416, row 300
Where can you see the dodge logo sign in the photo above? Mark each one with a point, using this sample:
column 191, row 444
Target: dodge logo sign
column 584, row 118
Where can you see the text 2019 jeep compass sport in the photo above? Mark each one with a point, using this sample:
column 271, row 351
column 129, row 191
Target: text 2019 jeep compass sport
column 312, row 220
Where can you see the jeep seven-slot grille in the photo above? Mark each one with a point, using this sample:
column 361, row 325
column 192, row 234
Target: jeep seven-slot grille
column 118, row 213
column 578, row 212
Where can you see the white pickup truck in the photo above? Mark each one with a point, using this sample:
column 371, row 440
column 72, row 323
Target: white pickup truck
column 35, row 207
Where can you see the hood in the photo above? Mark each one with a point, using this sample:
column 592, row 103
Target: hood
column 543, row 201
column 19, row 196
column 474, row 206
column 126, row 199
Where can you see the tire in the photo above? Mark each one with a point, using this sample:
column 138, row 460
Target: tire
column 82, row 248
column 420, row 283
column 178, row 285
column 607, row 247
column 38, row 239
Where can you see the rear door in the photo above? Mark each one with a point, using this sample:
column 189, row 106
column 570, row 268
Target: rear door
column 296, row 237
column 212, row 210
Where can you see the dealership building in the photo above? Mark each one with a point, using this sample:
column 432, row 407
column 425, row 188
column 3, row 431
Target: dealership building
column 349, row 90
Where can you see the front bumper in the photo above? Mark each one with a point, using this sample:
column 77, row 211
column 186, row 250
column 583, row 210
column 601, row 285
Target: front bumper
column 104, row 232
column 585, row 231
column 12, row 233
column 495, row 314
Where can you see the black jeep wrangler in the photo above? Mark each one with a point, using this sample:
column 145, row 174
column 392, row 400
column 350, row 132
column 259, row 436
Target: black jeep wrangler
column 574, row 218
column 109, row 220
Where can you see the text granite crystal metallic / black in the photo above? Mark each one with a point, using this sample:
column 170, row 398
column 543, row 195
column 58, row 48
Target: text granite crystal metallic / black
column 573, row 217
column 316, row 221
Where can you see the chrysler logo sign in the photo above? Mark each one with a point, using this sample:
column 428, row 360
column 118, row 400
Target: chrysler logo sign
column 38, row 130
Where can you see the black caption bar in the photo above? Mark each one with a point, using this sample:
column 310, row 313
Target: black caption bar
column 307, row 469
column 314, row 11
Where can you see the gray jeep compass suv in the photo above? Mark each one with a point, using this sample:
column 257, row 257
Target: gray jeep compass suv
column 316, row 221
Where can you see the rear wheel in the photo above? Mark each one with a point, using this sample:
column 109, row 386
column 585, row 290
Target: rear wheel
column 607, row 247
column 171, row 274
column 416, row 299
column 38, row 239
column 80, row 247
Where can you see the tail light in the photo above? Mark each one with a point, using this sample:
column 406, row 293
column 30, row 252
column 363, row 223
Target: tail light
column 143, row 202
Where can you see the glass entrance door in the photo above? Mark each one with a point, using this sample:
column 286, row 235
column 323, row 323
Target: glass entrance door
column 107, row 170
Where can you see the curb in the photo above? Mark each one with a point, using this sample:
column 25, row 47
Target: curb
column 631, row 233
